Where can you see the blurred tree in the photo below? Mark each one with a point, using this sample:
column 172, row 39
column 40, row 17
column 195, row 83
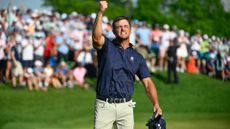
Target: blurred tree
column 84, row 7
column 206, row 15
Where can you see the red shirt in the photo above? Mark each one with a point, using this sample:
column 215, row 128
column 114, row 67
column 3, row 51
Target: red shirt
column 50, row 43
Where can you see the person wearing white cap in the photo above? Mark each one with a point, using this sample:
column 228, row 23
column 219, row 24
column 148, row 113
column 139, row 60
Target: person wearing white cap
column 164, row 46
column 182, row 52
column 40, row 76
column 211, row 67
column 30, row 79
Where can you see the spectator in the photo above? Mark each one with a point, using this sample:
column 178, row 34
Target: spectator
column 17, row 70
column 61, row 73
column 18, row 47
column 223, row 49
column 39, row 44
column 79, row 74
column 2, row 55
column 133, row 37
column 50, row 79
column 30, row 79
column 40, row 76
column 154, row 49
column 27, row 52
column 204, row 47
column 109, row 31
column 211, row 67
column 156, row 38
column 227, row 69
column 8, row 50
column 85, row 58
column 164, row 46
column 220, row 65
column 50, row 50
column 62, row 48
column 192, row 63
column 78, row 35
column 172, row 61
column 144, row 34
column 182, row 52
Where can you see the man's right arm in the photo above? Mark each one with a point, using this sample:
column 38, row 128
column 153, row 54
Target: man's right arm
column 98, row 38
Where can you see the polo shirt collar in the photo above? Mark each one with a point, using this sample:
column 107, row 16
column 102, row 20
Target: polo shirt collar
column 117, row 44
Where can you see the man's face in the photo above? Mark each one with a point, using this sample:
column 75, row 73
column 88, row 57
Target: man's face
column 122, row 29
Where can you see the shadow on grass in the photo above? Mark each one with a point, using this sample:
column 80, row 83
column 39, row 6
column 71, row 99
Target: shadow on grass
column 160, row 77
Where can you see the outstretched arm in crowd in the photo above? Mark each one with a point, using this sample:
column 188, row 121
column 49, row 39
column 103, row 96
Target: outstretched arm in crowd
column 98, row 38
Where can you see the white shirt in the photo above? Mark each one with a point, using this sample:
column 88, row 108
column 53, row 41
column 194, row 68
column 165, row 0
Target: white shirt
column 28, row 50
column 85, row 57
column 78, row 37
column 165, row 39
column 195, row 46
column 39, row 47
column 2, row 46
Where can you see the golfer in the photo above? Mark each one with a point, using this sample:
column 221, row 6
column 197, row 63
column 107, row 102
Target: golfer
column 118, row 63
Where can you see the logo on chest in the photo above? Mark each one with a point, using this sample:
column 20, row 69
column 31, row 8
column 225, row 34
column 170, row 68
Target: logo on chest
column 131, row 59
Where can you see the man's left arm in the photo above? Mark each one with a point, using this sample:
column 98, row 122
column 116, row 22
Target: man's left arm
column 152, row 93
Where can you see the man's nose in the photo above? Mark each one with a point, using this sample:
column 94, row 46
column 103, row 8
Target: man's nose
column 122, row 28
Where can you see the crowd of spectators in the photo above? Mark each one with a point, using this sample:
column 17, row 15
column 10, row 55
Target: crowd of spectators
column 45, row 48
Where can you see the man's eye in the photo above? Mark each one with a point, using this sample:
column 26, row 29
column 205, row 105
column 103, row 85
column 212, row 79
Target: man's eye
column 118, row 27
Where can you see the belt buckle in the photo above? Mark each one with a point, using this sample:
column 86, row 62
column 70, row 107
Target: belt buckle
column 117, row 100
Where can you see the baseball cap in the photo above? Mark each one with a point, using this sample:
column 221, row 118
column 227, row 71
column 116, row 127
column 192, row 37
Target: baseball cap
column 166, row 26
column 38, row 63
column 212, row 56
column 156, row 122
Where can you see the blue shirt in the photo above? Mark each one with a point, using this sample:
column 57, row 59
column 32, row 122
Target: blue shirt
column 144, row 34
column 63, row 48
column 117, row 68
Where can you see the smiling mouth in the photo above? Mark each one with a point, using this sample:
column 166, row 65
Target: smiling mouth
column 123, row 33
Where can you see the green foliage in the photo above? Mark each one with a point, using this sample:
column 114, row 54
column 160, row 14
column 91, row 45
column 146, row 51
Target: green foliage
column 206, row 15
column 85, row 7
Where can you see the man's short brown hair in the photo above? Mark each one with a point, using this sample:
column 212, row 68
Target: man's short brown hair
column 121, row 18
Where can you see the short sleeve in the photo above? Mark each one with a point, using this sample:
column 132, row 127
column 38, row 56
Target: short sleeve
column 104, row 50
column 143, row 70
column 105, row 45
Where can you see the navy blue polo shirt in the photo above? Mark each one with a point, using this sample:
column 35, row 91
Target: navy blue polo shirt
column 117, row 68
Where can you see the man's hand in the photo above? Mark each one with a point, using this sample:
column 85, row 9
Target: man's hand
column 103, row 4
column 98, row 38
column 157, row 110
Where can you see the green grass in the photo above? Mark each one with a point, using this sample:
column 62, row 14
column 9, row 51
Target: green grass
column 198, row 102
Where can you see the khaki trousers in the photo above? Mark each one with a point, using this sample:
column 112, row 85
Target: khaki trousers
column 119, row 115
